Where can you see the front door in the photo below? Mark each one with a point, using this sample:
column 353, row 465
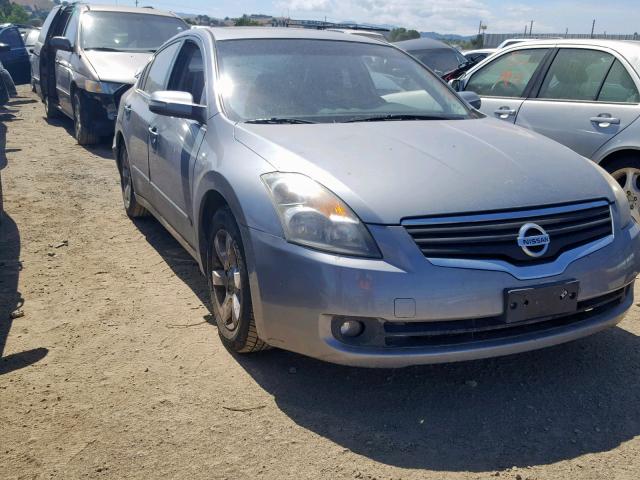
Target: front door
column 503, row 82
column 587, row 97
column 175, row 142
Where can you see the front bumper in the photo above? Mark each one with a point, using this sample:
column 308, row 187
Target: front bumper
column 104, row 110
column 298, row 293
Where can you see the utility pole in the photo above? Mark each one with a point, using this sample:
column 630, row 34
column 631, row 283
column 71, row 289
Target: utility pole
column 593, row 27
column 136, row 3
column 566, row 33
column 525, row 30
column 531, row 28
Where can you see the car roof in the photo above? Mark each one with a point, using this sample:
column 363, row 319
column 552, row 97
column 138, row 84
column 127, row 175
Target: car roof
column 119, row 8
column 629, row 49
column 423, row 43
column 247, row 33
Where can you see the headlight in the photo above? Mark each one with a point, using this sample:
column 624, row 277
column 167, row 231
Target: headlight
column 313, row 216
column 102, row 87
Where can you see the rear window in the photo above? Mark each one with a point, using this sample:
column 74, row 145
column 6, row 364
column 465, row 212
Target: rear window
column 124, row 31
column 440, row 60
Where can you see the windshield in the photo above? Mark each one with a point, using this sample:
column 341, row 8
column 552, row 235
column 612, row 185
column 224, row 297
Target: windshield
column 124, row 31
column 328, row 81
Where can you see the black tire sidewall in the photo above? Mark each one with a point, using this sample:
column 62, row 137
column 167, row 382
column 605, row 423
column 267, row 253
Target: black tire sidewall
column 236, row 340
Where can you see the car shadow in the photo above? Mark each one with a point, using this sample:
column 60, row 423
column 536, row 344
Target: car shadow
column 175, row 256
column 10, row 298
column 101, row 149
column 529, row 409
column 523, row 410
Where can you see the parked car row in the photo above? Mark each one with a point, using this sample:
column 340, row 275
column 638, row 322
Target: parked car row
column 337, row 193
column 583, row 94
column 86, row 57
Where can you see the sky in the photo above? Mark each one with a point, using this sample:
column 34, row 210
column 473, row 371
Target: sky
column 443, row 16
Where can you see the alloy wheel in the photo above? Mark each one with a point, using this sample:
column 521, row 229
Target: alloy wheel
column 126, row 181
column 226, row 280
column 629, row 180
column 77, row 125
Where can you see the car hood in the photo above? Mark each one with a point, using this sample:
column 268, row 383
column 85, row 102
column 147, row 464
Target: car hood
column 387, row 171
column 117, row 67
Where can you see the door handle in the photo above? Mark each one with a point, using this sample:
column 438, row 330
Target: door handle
column 153, row 131
column 605, row 120
column 505, row 112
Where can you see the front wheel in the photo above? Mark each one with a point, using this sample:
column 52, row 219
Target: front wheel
column 626, row 171
column 81, row 130
column 229, row 286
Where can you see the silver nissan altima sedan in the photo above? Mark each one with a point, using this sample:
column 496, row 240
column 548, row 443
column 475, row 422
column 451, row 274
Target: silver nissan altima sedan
column 344, row 203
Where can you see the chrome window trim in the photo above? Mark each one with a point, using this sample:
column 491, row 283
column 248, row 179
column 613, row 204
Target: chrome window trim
column 510, row 215
column 532, row 272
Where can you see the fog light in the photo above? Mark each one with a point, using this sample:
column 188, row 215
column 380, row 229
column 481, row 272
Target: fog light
column 351, row 328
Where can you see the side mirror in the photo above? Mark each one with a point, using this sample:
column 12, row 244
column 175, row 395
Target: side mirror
column 4, row 47
column 456, row 84
column 177, row 104
column 471, row 98
column 60, row 43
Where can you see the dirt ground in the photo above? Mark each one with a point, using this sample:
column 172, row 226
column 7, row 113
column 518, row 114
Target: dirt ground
column 115, row 370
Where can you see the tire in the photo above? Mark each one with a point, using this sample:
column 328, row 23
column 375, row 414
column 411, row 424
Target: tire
column 131, row 205
column 81, row 130
column 50, row 109
column 229, row 286
column 626, row 171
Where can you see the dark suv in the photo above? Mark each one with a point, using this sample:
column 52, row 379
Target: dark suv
column 87, row 56
column 15, row 58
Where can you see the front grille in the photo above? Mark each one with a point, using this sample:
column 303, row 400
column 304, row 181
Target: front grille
column 457, row 332
column 494, row 235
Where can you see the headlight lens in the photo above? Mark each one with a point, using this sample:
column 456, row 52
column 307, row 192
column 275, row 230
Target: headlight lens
column 315, row 217
column 101, row 87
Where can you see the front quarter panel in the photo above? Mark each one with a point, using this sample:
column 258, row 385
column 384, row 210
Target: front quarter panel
column 232, row 170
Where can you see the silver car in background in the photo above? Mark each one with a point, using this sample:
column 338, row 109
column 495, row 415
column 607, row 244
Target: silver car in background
column 581, row 93
column 345, row 204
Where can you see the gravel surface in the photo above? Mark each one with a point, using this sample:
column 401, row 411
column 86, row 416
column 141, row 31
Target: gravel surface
column 111, row 366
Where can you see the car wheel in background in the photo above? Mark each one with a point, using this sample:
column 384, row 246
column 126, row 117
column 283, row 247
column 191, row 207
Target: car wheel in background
column 50, row 109
column 229, row 286
column 81, row 129
column 626, row 171
column 131, row 205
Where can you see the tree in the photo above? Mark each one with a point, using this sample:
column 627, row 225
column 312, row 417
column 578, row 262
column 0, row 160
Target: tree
column 399, row 34
column 245, row 21
column 12, row 13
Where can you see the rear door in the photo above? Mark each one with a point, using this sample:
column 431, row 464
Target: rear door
column 587, row 96
column 177, row 140
column 504, row 82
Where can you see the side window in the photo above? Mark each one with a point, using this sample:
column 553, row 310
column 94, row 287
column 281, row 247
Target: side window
column 11, row 37
column 158, row 72
column 619, row 86
column 576, row 74
column 188, row 72
column 508, row 75
column 71, row 32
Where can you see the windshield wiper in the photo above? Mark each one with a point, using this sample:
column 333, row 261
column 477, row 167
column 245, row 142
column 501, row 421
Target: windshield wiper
column 278, row 120
column 104, row 49
column 396, row 116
